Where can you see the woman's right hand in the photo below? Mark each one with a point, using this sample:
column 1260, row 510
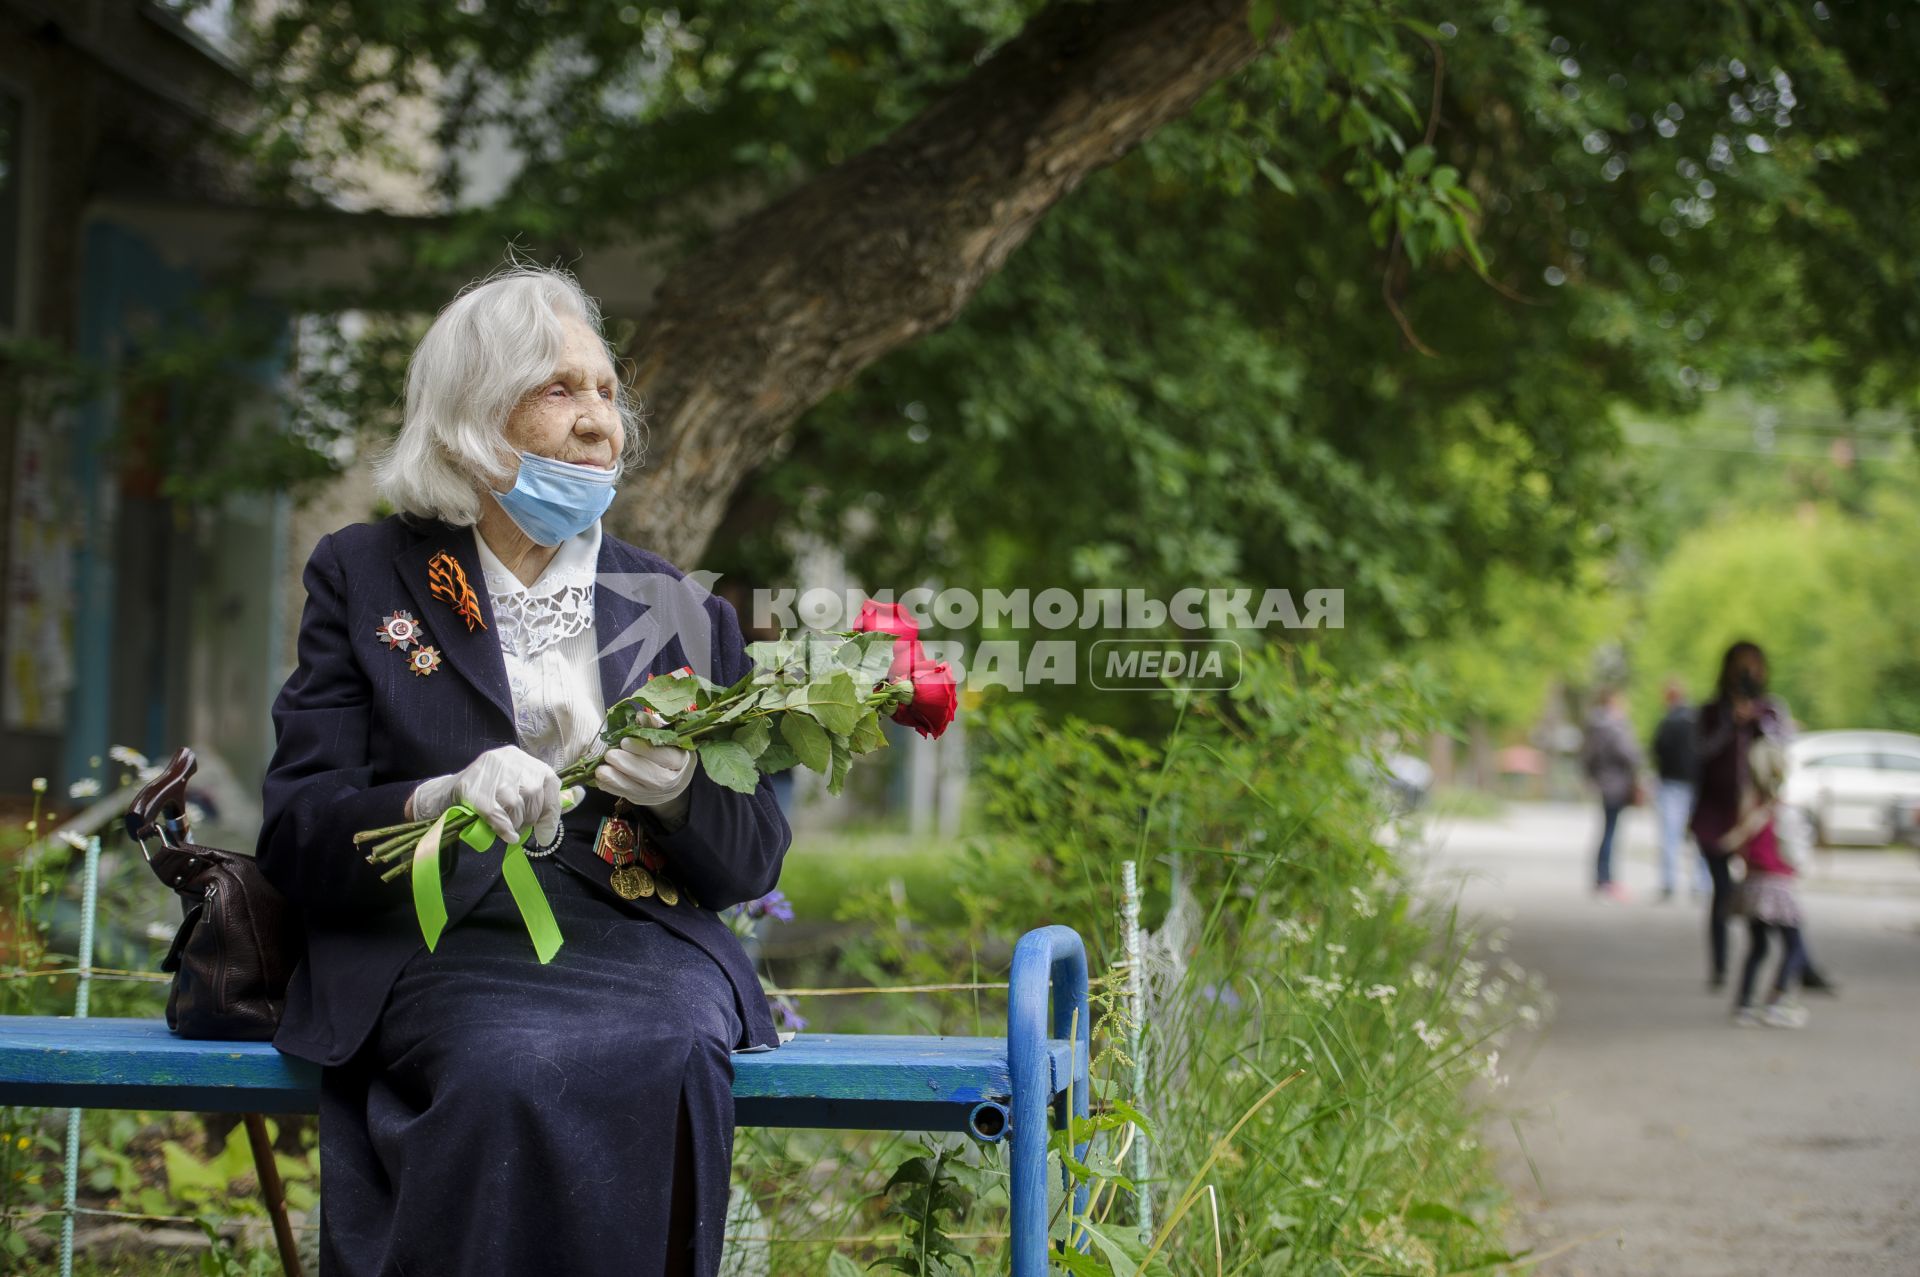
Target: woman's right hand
column 509, row 788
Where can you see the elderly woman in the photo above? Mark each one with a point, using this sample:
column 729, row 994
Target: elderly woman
column 483, row 1112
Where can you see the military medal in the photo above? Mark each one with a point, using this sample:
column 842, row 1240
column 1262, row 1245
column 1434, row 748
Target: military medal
column 656, row 864
column 618, row 845
column 638, row 869
column 631, row 882
column 399, row 631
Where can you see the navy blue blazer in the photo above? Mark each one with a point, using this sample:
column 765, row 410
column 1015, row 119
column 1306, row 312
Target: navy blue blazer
column 357, row 730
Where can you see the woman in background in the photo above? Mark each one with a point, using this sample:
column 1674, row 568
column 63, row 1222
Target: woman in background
column 1740, row 713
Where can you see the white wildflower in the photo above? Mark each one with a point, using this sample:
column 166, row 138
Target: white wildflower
column 1529, row 1015
column 1498, row 944
column 1291, row 931
column 1362, row 902
column 1491, row 1065
column 85, row 787
column 1431, row 1037
column 127, row 756
column 1336, row 949
column 1382, row 992
column 78, row 841
column 39, row 784
column 1423, row 976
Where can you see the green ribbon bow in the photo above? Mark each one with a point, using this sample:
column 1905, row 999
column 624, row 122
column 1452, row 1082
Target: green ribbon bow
column 431, row 905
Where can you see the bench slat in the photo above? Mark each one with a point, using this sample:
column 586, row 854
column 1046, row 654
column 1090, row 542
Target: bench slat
column 861, row 1081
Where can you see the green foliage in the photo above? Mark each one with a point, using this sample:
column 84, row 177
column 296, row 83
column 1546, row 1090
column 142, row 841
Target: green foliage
column 1310, row 1059
column 1196, row 370
column 927, row 1194
column 823, row 693
column 1826, row 593
column 220, row 1261
column 1538, row 634
column 1217, row 340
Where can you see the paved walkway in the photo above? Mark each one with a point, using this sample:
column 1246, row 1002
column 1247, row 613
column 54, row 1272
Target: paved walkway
column 1653, row 1136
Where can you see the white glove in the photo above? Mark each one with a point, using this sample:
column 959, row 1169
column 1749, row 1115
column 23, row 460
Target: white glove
column 509, row 789
column 647, row 775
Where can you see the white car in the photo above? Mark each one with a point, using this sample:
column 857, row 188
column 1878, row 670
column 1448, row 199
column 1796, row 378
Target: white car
column 1851, row 783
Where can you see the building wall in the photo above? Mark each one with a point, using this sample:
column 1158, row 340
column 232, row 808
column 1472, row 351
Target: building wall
column 106, row 638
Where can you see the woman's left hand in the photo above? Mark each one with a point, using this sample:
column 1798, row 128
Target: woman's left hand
column 646, row 775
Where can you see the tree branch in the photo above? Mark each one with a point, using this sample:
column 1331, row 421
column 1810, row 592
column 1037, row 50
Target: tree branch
column 797, row 298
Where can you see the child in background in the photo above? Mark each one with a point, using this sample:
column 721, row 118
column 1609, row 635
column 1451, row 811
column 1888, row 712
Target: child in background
column 1769, row 895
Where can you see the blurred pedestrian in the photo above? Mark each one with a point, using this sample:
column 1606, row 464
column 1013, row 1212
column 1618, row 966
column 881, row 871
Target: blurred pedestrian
column 1612, row 760
column 1767, row 895
column 1674, row 763
column 1726, row 728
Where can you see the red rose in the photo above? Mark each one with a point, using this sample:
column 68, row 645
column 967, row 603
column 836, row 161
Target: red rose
column 891, row 618
column 934, row 699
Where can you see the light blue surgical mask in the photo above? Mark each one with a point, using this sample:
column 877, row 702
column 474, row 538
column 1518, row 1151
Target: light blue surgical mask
column 553, row 500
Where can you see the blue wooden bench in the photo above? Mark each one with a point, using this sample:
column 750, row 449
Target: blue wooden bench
column 1012, row 1088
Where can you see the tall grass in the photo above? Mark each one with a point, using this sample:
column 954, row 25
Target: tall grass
column 1314, row 1027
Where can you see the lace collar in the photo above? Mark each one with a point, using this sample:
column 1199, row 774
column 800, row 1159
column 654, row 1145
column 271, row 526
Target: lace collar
column 558, row 606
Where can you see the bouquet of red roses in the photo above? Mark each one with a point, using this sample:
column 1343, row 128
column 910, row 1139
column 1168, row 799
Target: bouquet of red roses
column 814, row 699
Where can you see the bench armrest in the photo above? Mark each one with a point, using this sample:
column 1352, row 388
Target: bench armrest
column 1049, row 964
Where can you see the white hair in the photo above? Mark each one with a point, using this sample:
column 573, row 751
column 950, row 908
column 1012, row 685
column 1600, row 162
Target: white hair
column 497, row 341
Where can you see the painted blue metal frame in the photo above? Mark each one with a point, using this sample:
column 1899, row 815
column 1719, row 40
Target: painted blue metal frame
column 1047, row 960
column 1015, row 1087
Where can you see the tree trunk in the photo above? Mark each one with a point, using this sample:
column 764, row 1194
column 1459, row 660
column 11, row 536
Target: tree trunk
column 791, row 302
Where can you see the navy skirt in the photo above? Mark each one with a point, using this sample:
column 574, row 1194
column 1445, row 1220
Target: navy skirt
column 507, row 1117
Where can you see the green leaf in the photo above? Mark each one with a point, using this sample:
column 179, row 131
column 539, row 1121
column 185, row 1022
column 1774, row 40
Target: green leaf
column 867, row 656
column 1438, row 1213
column 1125, row 1110
column 730, row 765
column 839, row 1265
column 1419, row 161
column 1260, row 16
column 778, row 756
column 1275, row 175
column 841, row 764
column 652, row 735
column 742, row 705
column 671, row 694
column 1469, row 242
column 808, row 740
column 1080, row 1262
column 915, row 1170
column 836, row 703
column 754, row 735
column 867, row 734
column 774, row 654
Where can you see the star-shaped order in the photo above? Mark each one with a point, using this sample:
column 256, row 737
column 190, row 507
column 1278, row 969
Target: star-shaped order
column 399, row 631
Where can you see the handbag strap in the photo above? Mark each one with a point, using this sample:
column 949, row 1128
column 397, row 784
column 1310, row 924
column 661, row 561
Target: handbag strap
column 158, row 814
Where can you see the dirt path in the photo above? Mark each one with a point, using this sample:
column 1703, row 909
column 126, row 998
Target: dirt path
column 1671, row 1141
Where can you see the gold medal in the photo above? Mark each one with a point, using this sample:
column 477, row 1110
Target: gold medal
column 616, row 841
column 631, row 882
column 669, row 894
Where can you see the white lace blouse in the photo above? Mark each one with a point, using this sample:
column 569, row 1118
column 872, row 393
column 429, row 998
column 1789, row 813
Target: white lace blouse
column 547, row 639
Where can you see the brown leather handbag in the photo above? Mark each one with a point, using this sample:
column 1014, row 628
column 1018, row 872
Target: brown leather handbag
column 240, row 940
